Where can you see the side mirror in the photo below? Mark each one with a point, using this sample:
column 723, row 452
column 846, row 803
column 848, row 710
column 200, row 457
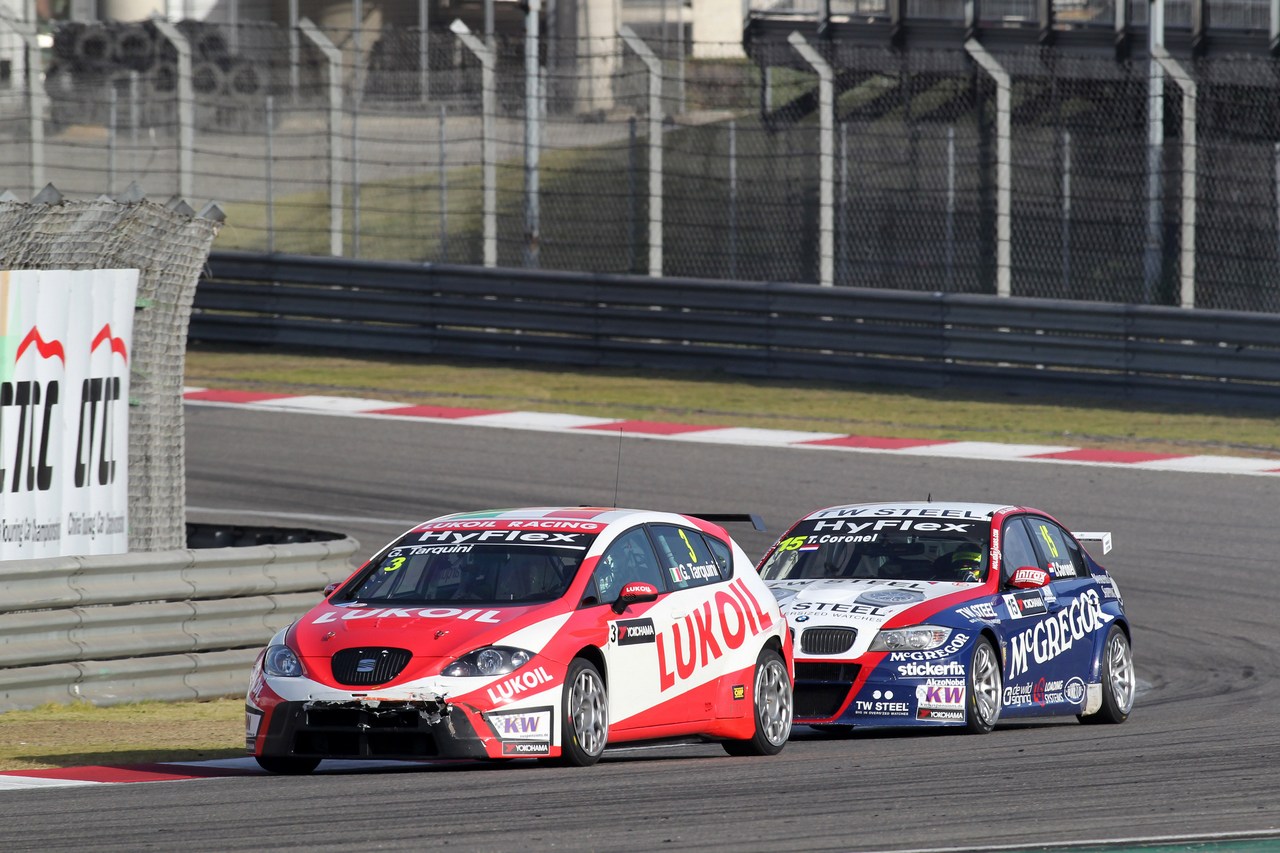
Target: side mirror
column 329, row 588
column 1030, row 577
column 636, row 592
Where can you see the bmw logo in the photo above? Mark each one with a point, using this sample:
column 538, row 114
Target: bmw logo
column 801, row 618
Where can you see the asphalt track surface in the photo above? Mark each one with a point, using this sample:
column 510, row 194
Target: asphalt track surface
column 1195, row 556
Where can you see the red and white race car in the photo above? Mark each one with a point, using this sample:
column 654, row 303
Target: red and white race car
column 543, row 632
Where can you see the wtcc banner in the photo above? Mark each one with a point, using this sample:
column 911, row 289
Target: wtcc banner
column 66, row 338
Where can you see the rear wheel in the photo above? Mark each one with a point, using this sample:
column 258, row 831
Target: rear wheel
column 287, row 765
column 773, row 708
column 984, row 682
column 586, row 715
column 1118, row 681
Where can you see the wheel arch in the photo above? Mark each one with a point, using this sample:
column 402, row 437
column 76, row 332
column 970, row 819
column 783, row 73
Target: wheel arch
column 596, row 657
column 1100, row 647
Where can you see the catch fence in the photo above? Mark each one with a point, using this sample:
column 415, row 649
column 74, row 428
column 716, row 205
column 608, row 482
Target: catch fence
column 347, row 142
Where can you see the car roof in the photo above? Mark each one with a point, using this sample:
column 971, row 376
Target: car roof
column 600, row 515
column 964, row 508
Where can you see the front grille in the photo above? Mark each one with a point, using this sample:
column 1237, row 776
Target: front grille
column 369, row 665
column 821, row 689
column 391, row 730
column 827, row 641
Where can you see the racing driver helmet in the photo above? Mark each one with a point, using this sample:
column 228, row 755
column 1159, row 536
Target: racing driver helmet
column 965, row 562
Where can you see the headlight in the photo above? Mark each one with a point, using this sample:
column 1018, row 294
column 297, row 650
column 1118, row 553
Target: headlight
column 491, row 660
column 917, row 638
column 281, row 662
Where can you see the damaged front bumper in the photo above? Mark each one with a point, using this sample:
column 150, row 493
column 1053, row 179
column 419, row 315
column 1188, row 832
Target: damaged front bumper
column 371, row 728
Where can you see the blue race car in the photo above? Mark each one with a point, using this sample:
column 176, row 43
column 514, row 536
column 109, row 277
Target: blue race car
column 949, row 614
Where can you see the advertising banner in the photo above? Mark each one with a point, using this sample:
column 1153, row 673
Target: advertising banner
column 66, row 340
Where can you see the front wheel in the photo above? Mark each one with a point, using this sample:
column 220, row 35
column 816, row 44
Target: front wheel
column 773, row 708
column 1118, row 682
column 586, row 715
column 984, row 683
column 287, row 765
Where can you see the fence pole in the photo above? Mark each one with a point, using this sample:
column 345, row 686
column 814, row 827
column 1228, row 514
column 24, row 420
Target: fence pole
column 34, row 82
column 112, row 122
column 633, row 166
column 357, row 92
column 1004, row 164
column 532, row 134
column 1154, row 252
column 444, row 192
column 1187, row 249
column 842, row 244
column 295, row 52
column 733, row 200
column 488, row 154
column 654, row 66
column 271, row 156
column 950, row 238
column 186, row 103
column 424, row 51
column 1066, row 213
column 333, row 83
column 826, row 156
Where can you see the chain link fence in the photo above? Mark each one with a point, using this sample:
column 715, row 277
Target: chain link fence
column 1096, row 208
column 169, row 246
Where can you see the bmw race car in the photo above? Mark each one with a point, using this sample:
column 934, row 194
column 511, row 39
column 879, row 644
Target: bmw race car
column 949, row 614
column 538, row 632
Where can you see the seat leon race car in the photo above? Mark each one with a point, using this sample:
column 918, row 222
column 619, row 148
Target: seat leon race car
column 538, row 632
column 949, row 614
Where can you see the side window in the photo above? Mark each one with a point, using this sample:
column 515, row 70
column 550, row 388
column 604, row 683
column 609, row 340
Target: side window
column 723, row 554
column 687, row 561
column 1059, row 553
column 629, row 558
column 1016, row 549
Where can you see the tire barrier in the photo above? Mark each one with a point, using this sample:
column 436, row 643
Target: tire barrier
column 90, row 61
column 166, row 625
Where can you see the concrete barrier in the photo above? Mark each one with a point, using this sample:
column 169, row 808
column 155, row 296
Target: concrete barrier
column 167, row 625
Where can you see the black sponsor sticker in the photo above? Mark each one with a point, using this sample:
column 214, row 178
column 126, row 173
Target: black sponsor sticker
column 629, row 632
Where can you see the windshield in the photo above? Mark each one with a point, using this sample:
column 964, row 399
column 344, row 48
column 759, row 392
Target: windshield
column 444, row 566
column 811, row 550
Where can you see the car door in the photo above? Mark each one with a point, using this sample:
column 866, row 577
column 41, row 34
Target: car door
column 631, row 648
column 1050, row 632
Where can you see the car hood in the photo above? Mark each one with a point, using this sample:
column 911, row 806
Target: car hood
column 425, row 631
column 866, row 603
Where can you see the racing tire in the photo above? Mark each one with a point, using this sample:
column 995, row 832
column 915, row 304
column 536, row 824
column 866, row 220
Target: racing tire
column 585, row 711
column 1118, row 681
column 287, row 765
column 773, row 708
column 983, row 689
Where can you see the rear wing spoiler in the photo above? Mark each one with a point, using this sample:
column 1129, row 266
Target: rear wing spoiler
column 1103, row 538
column 723, row 517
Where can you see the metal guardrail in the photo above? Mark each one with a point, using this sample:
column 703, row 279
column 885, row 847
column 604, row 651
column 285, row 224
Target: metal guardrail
column 1037, row 347
column 169, row 625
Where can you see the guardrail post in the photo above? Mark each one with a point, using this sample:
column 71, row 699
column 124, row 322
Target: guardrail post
column 654, row 66
column 35, row 95
column 488, row 155
column 826, row 157
column 1004, row 165
column 1187, row 249
column 186, row 103
column 333, row 82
